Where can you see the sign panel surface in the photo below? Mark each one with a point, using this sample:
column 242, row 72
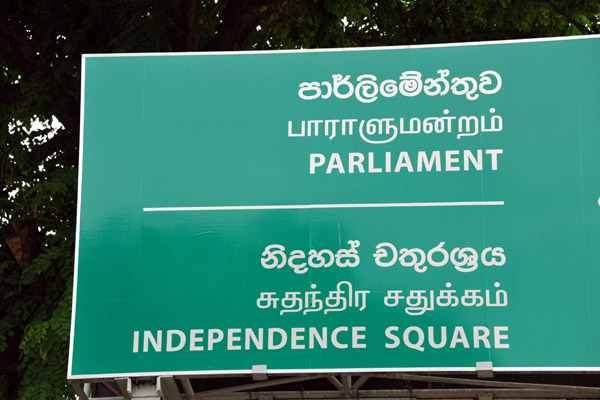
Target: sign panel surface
column 420, row 208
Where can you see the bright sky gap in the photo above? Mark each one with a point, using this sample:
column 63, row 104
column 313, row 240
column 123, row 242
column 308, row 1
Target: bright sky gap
column 314, row 206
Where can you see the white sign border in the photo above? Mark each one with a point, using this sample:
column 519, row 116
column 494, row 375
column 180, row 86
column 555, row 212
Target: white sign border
column 70, row 375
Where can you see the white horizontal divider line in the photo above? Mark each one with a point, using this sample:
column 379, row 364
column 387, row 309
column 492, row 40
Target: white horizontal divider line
column 313, row 206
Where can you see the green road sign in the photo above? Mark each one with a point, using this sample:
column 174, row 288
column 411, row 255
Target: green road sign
column 395, row 209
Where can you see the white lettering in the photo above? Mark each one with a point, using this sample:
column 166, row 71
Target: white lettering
column 271, row 338
column 356, row 160
column 432, row 342
column 372, row 168
column 450, row 160
column 251, row 337
column 356, row 336
column 481, row 334
column 297, row 336
column 156, row 342
column 459, row 336
column 395, row 340
column 335, row 162
column 316, row 160
column 194, row 339
column 403, row 161
column 420, row 338
column 348, row 126
column 422, row 160
column 313, row 127
column 498, row 336
column 170, row 335
column 334, row 337
column 136, row 341
column 476, row 162
column 313, row 334
column 232, row 338
column 494, row 157
column 214, row 336
column 292, row 134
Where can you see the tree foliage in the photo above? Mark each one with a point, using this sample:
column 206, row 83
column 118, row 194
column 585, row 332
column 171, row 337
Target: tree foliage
column 41, row 43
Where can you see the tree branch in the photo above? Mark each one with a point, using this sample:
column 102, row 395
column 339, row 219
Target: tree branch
column 21, row 238
column 582, row 28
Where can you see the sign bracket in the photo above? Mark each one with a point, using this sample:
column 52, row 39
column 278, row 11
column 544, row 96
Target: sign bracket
column 437, row 387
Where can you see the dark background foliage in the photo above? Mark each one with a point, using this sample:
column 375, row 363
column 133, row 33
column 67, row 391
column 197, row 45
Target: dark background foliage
column 41, row 42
